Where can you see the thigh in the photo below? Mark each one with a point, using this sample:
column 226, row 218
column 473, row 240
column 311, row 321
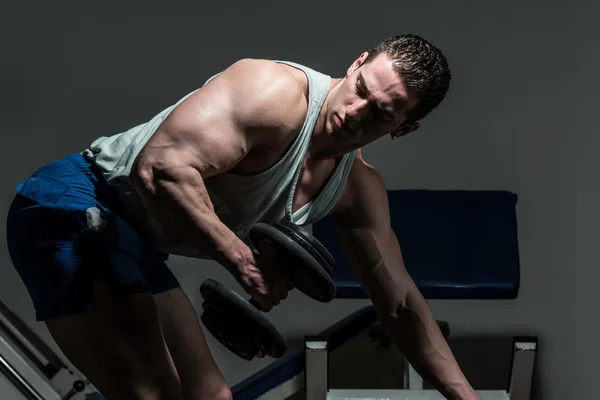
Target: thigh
column 119, row 346
column 199, row 374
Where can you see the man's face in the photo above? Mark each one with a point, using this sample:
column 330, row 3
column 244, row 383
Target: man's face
column 371, row 101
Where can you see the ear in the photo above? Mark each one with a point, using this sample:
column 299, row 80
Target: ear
column 357, row 63
column 405, row 129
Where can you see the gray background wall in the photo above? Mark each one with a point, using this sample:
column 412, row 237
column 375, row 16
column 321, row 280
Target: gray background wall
column 520, row 117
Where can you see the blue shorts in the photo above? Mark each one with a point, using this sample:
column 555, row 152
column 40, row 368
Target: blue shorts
column 66, row 227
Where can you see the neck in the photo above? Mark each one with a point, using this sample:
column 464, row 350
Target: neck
column 322, row 145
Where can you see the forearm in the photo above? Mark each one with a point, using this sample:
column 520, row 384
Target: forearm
column 177, row 198
column 416, row 333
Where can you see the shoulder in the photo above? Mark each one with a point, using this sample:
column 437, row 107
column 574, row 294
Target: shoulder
column 264, row 93
column 364, row 198
column 250, row 105
column 265, row 76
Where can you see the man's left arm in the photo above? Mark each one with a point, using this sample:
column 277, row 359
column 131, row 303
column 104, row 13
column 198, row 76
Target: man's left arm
column 362, row 220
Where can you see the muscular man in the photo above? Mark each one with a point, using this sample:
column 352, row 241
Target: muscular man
column 261, row 141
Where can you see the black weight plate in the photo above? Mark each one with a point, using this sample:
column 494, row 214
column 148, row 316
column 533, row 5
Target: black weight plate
column 310, row 243
column 238, row 325
column 226, row 330
column 308, row 274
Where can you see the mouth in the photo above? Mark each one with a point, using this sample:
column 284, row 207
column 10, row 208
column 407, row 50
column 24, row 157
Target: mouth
column 339, row 123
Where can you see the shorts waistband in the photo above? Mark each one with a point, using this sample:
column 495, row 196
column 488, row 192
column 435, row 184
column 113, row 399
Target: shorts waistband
column 92, row 176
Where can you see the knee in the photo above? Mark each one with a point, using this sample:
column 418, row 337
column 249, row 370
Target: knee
column 224, row 394
column 151, row 392
column 141, row 392
column 214, row 393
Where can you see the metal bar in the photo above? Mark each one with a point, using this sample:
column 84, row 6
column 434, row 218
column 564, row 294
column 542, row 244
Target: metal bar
column 316, row 380
column 523, row 366
column 412, row 379
column 384, row 394
column 22, row 368
column 38, row 360
column 17, row 380
column 20, row 329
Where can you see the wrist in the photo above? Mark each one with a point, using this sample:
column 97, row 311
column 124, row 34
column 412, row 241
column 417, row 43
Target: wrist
column 236, row 257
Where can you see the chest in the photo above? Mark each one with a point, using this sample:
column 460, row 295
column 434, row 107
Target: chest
column 311, row 181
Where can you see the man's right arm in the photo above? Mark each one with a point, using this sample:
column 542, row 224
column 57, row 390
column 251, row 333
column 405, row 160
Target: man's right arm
column 207, row 134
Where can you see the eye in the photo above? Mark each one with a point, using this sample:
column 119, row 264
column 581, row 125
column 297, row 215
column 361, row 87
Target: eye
column 378, row 112
column 359, row 91
column 384, row 115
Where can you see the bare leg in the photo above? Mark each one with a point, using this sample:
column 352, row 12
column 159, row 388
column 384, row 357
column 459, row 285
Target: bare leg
column 119, row 347
column 198, row 371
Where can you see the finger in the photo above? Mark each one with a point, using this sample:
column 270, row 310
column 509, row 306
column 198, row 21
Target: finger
column 261, row 301
column 289, row 282
column 263, row 296
column 265, row 304
column 283, row 290
column 275, row 296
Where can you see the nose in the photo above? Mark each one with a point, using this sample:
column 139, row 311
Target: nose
column 357, row 111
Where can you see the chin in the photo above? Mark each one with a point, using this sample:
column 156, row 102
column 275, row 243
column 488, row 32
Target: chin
column 330, row 127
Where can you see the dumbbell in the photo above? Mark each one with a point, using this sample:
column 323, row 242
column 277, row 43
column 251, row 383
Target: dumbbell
column 239, row 324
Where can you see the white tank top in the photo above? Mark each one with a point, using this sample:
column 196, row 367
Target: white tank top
column 240, row 201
